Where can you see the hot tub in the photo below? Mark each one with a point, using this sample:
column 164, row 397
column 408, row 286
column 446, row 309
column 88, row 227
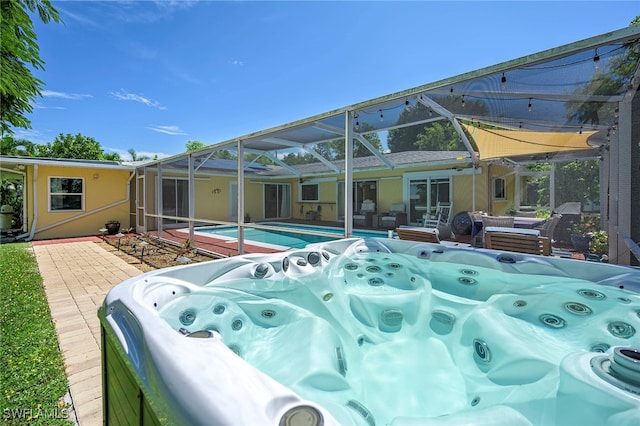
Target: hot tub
column 375, row 332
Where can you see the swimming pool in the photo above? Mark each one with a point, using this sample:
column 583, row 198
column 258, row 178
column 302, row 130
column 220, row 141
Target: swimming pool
column 376, row 332
column 290, row 235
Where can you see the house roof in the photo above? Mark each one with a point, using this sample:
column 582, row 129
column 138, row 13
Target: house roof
column 398, row 159
column 18, row 162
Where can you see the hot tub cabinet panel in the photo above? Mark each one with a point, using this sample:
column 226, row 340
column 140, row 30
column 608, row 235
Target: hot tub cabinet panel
column 375, row 332
column 124, row 400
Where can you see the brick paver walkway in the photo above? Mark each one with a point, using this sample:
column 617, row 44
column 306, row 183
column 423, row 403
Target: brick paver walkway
column 77, row 274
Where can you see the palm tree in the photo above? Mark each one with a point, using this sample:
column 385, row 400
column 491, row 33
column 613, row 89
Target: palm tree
column 136, row 157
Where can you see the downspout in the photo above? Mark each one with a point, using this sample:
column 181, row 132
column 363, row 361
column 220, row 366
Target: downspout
column 35, row 204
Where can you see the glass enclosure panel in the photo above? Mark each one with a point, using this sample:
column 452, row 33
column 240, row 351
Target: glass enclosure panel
column 140, row 203
column 418, row 204
column 534, row 191
column 175, row 199
column 364, row 190
column 439, row 192
column 423, row 201
column 340, row 201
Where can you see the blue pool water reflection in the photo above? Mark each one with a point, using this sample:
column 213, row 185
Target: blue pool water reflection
column 283, row 238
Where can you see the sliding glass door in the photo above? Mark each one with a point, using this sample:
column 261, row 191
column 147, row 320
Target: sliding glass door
column 175, row 199
column 362, row 190
column 425, row 192
column 277, row 201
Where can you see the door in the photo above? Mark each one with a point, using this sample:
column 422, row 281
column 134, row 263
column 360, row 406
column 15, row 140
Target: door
column 175, row 200
column 425, row 192
column 233, row 201
column 277, row 201
column 140, row 210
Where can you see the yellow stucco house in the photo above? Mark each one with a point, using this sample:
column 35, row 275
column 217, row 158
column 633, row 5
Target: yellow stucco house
column 67, row 198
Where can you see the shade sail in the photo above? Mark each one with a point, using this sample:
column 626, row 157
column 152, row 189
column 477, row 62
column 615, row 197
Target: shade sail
column 497, row 143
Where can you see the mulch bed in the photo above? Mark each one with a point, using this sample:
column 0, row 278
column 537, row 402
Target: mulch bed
column 148, row 254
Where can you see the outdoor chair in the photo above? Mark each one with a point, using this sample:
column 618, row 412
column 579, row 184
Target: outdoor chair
column 423, row 235
column 501, row 221
column 476, row 216
column 441, row 220
column 549, row 226
column 520, row 243
column 365, row 215
column 395, row 217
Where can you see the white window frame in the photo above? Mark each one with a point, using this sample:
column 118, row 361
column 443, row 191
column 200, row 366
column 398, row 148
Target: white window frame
column 50, row 194
column 504, row 189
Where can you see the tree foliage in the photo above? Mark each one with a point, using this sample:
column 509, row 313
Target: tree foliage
column 73, row 146
column 605, row 82
column 63, row 146
column 194, row 145
column 433, row 136
column 334, row 149
column 578, row 181
column 19, row 53
column 439, row 137
column 19, row 147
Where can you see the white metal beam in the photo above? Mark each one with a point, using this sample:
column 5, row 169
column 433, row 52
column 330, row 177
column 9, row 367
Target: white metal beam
column 240, row 197
column 348, row 176
column 429, row 103
column 304, row 147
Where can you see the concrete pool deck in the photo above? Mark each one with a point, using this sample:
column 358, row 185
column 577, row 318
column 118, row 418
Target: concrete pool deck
column 77, row 274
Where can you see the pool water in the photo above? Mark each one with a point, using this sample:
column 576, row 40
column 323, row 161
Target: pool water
column 283, row 239
column 388, row 332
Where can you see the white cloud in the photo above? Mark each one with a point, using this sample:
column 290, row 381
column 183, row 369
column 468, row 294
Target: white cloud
column 40, row 106
column 32, row 135
column 63, row 95
column 125, row 96
column 237, row 62
column 169, row 130
column 175, row 4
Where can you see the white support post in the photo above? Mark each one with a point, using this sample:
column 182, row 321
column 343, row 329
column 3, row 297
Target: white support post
column 240, row 197
column 159, row 203
column 348, row 175
column 620, row 187
column 192, row 196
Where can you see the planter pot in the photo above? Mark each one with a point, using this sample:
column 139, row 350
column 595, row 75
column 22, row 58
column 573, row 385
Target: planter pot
column 580, row 242
column 112, row 228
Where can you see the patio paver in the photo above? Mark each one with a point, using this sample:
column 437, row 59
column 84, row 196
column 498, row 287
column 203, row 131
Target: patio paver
column 77, row 274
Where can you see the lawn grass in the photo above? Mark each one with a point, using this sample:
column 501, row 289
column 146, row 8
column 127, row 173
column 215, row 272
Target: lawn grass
column 32, row 377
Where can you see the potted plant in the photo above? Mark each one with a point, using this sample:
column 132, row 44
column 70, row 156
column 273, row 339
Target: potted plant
column 599, row 245
column 583, row 231
column 112, row 226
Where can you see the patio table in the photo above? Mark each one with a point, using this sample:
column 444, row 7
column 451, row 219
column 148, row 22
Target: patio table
column 518, row 222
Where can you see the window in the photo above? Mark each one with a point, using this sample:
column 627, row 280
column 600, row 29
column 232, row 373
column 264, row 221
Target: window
column 66, row 194
column 499, row 189
column 309, row 192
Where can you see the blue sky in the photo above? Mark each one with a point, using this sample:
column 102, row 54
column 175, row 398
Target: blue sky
column 152, row 75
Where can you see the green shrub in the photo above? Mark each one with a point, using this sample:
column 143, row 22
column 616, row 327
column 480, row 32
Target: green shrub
column 599, row 242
